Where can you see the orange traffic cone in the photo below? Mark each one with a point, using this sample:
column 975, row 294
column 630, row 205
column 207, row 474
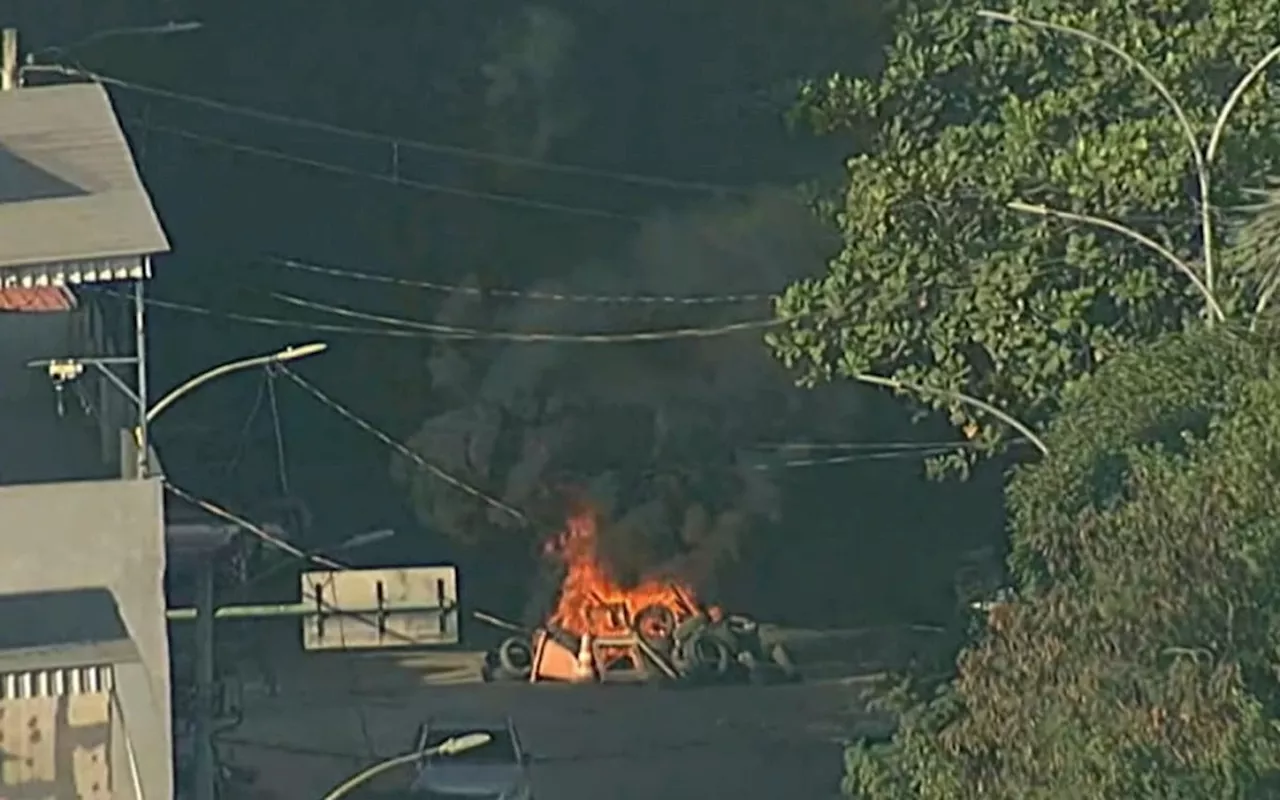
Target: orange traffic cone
column 585, row 665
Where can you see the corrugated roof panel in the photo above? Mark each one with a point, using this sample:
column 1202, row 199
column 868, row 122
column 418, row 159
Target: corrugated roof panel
column 69, row 187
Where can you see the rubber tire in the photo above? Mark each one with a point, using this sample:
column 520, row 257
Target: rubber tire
column 659, row 614
column 705, row 655
column 515, row 656
column 689, row 628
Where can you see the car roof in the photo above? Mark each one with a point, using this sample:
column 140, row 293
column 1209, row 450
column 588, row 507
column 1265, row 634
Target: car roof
column 470, row 723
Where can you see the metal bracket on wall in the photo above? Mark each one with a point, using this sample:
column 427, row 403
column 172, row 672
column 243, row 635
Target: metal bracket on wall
column 61, row 370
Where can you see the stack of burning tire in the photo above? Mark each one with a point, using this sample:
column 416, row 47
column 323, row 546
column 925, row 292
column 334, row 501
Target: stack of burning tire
column 701, row 648
column 728, row 649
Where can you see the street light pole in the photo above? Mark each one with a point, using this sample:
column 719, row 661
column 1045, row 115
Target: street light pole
column 62, row 370
column 206, row 766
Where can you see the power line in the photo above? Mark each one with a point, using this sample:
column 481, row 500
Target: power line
column 863, row 446
column 525, row 294
column 282, row 467
column 395, row 180
column 258, row 531
column 242, row 441
column 408, row 453
column 275, row 322
column 451, row 332
column 395, row 142
column 860, row 457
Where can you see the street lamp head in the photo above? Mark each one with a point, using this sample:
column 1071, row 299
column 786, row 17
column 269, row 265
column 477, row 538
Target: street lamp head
column 180, row 27
column 294, row 352
column 461, row 744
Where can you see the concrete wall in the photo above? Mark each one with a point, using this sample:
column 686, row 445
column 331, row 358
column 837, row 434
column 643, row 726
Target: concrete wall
column 108, row 534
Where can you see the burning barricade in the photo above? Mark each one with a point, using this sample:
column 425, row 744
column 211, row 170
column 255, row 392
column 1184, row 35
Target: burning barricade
column 603, row 631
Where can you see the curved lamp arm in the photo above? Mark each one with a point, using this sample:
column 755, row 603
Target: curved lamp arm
column 290, row 353
column 287, row 354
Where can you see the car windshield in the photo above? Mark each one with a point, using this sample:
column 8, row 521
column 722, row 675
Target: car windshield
column 500, row 749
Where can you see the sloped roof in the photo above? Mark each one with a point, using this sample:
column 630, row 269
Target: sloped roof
column 70, row 192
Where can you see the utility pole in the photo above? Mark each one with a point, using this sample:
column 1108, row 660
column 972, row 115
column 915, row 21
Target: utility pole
column 9, row 60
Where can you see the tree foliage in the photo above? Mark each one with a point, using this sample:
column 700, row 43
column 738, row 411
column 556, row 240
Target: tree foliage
column 938, row 283
column 1145, row 667
column 1258, row 245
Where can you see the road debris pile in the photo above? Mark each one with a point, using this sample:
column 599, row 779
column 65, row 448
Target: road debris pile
column 652, row 630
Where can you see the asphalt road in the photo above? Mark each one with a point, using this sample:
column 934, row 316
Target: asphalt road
column 338, row 713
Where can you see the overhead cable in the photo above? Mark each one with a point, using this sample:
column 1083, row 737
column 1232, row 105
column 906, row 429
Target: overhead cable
column 523, row 294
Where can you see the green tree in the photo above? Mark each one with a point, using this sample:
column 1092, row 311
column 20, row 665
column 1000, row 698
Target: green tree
column 1140, row 659
column 942, row 288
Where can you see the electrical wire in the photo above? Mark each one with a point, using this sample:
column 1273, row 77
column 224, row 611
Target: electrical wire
column 245, row 430
column 522, row 294
column 395, row 180
column 271, row 539
column 452, row 332
column 859, row 457
column 333, row 603
column 407, row 452
column 519, row 201
column 455, row 151
column 282, row 470
column 863, row 446
column 256, row 530
column 396, row 142
column 330, row 582
column 276, row 322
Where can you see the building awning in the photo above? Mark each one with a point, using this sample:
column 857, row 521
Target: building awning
column 37, row 299
column 73, row 208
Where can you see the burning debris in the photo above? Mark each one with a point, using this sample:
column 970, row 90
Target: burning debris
column 602, row 630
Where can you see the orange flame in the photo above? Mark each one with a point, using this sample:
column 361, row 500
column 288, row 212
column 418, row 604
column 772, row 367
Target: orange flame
column 592, row 601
